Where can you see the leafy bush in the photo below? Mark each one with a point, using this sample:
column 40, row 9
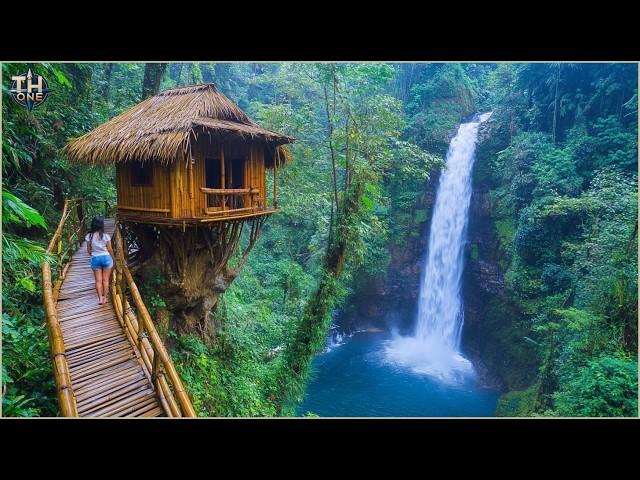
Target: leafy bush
column 606, row 387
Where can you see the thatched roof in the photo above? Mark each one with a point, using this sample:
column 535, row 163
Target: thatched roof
column 160, row 127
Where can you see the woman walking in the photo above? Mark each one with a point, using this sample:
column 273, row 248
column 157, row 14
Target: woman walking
column 99, row 247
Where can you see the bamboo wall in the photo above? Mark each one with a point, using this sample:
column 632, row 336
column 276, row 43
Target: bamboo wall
column 175, row 191
column 153, row 200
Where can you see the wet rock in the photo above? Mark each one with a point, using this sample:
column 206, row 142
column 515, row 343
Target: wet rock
column 487, row 276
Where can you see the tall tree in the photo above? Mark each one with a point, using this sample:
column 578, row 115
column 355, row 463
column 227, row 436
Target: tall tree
column 153, row 73
column 108, row 71
column 363, row 128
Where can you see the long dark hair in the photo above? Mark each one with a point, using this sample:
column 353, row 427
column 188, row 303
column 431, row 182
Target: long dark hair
column 97, row 225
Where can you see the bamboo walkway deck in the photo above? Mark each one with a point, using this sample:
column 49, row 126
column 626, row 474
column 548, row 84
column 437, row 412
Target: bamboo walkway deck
column 105, row 367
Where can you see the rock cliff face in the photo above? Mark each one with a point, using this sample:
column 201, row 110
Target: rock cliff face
column 391, row 301
column 493, row 335
column 483, row 284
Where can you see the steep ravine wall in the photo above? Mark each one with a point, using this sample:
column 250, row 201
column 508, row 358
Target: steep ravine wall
column 493, row 335
column 391, row 301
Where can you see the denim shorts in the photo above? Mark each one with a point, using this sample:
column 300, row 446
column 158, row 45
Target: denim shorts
column 101, row 261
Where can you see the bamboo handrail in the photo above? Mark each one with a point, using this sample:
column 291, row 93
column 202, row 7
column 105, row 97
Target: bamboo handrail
column 229, row 191
column 143, row 331
column 66, row 397
column 71, row 230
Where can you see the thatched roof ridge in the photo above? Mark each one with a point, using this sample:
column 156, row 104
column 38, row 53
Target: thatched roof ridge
column 160, row 127
column 245, row 131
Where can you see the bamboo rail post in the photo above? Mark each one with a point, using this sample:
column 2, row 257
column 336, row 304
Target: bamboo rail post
column 156, row 367
column 168, row 395
column 275, row 178
column 123, row 291
column 120, row 288
column 120, row 261
column 222, row 178
column 83, row 227
column 59, row 256
column 163, row 399
column 69, row 235
column 190, row 180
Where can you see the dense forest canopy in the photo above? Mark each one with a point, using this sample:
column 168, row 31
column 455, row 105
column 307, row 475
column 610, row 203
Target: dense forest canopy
column 558, row 158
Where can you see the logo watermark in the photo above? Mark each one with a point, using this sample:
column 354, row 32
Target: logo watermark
column 29, row 89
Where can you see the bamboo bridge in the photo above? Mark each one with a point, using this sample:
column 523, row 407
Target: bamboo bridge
column 108, row 360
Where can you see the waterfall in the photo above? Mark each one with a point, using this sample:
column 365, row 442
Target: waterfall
column 434, row 348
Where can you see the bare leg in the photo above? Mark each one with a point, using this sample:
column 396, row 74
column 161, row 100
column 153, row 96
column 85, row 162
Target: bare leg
column 106, row 276
column 98, row 276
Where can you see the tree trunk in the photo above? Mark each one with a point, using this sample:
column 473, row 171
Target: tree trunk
column 331, row 147
column 192, row 266
column 312, row 329
column 555, row 105
column 108, row 71
column 153, row 73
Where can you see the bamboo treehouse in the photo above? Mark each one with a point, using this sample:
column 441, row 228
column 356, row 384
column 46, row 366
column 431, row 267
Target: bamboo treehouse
column 191, row 175
column 186, row 157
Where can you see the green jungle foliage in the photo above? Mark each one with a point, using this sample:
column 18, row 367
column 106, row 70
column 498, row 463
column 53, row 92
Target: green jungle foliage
column 560, row 160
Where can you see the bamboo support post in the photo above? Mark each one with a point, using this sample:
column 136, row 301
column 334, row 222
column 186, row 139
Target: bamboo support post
column 275, row 180
column 191, row 193
column 222, row 178
column 175, row 410
column 156, row 367
column 163, row 399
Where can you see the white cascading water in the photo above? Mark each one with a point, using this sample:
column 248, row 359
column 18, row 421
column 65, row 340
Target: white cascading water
column 434, row 348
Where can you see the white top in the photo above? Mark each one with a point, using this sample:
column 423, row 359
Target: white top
column 98, row 245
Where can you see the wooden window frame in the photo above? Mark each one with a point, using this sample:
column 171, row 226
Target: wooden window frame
column 141, row 166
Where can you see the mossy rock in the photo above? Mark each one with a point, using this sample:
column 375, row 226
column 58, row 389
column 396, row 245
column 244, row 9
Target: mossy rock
column 474, row 253
column 421, row 216
column 518, row 403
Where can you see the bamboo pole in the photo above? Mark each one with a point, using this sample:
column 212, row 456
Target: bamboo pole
column 172, row 193
column 191, row 193
column 163, row 399
column 159, row 349
column 156, row 367
column 66, row 399
column 229, row 191
column 63, row 219
column 58, row 285
column 223, row 185
column 173, row 406
column 143, row 209
column 80, row 213
column 275, row 178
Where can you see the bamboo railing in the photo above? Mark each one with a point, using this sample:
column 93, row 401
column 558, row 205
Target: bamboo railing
column 65, row 241
column 248, row 196
column 142, row 332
